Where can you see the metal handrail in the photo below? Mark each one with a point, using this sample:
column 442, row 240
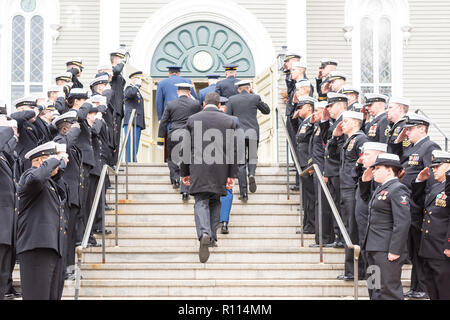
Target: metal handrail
column 322, row 187
column 437, row 127
column 100, row 186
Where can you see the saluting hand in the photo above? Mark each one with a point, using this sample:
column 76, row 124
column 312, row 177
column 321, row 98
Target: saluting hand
column 338, row 130
column 393, row 257
column 367, row 175
column 325, row 114
column 186, row 181
column 296, row 114
column 402, row 136
column 424, row 175
column 447, row 252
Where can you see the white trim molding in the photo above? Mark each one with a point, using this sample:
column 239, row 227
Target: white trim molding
column 397, row 11
column 179, row 12
column 49, row 10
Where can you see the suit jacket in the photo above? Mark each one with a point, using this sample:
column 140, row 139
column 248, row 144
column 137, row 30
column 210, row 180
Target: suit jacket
column 72, row 172
column 377, row 130
column 210, row 178
column 436, row 219
column 40, row 223
column 202, row 93
column 389, row 218
column 134, row 100
column 8, row 200
column 177, row 113
column 167, row 92
column 245, row 106
column 227, row 87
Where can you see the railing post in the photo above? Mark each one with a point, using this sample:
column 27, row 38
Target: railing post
column 103, row 226
column 319, row 208
column 287, row 169
column 356, row 251
column 116, row 178
column 79, row 251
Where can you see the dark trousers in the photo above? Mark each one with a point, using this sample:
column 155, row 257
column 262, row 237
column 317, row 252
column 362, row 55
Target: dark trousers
column 327, row 220
column 74, row 214
column 5, row 268
column 207, row 214
column 390, row 276
column 40, row 274
column 250, row 159
column 85, row 209
column 417, row 272
column 174, row 164
column 292, row 128
column 309, row 202
column 116, row 132
column 437, row 278
column 334, row 186
column 93, row 184
column 348, row 202
column 361, row 220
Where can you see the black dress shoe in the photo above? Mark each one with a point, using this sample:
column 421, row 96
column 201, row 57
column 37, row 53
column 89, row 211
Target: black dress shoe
column 295, row 188
column 176, row 185
column 338, row 244
column 213, row 244
column 203, row 252
column 224, row 229
column 100, row 231
column 314, row 245
column 243, row 197
column 419, row 295
column 409, row 293
column 307, row 231
column 109, row 208
column 252, row 184
column 185, row 197
column 345, row 278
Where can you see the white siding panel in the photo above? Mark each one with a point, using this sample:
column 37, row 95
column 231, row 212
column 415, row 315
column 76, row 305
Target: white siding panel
column 427, row 62
column 79, row 37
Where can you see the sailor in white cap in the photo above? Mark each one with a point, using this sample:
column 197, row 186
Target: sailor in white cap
column 337, row 80
column 435, row 225
column 397, row 109
column 176, row 115
column 40, row 257
column 352, row 94
column 65, row 81
column 351, row 128
column 327, row 65
column 377, row 129
column 75, row 67
column 388, row 227
column 245, row 106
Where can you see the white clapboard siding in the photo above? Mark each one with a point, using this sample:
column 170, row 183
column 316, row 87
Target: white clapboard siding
column 79, row 37
column 325, row 37
column 427, row 62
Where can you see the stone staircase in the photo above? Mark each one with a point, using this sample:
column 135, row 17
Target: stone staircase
column 261, row 258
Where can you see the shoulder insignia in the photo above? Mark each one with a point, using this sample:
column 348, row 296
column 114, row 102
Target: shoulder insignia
column 30, row 128
column 406, row 144
column 387, row 131
column 404, row 200
column 351, row 145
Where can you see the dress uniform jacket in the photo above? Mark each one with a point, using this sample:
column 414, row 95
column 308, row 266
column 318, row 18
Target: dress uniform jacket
column 134, row 100
column 202, row 93
column 350, row 154
column 117, row 86
column 245, row 106
column 8, row 142
column 389, row 218
column 40, row 222
column 167, row 91
column 44, row 130
column 76, row 82
column 8, row 198
column 73, row 170
column 210, row 178
column 61, row 105
column 436, row 219
column 97, row 147
column 333, row 147
column 177, row 113
column 303, row 137
column 377, row 130
column 227, row 87
column 317, row 148
column 85, row 138
column 28, row 133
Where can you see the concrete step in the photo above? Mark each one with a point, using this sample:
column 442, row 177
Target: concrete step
column 165, row 180
column 219, row 288
column 144, row 195
column 189, row 254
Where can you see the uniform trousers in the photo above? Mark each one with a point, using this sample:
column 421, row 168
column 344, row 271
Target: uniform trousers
column 308, row 201
column 361, row 219
column 116, row 132
column 5, row 268
column 437, row 278
column 327, row 219
column 417, row 272
column 74, row 213
column 348, row 202
column 173, row 162
column 292, row 128
column 40, row 274
column 207, row 214
column 93, row 184
column 135, row 136
column 225, row 206
column 250, row 155
column 335, row 189
column 85, row 208
column 390, row 276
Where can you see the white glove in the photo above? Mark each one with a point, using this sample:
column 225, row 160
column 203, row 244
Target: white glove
column 160, row 147
column 76, row 125
column 139, row 82
column 36, row 111
column 99, row 116
column 12, row 123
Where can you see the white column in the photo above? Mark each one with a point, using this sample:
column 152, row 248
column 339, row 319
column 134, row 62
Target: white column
column 296, row 26
column 109, row 28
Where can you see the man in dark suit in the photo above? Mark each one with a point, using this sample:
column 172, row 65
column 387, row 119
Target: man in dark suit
column 175, row 116
column 40, row 225
column 209, row 180
column 226, row 87
column 387, row 230
column 8, row 203
column 245, row 106
column 435, row 242
column 134, row 100
column 212, row 81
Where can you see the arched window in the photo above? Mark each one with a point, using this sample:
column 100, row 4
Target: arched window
column 376, row 30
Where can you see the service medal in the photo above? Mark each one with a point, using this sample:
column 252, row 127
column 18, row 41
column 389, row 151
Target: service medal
column 441, row 200
column 373, row 130
column 414, row 160
column 351, row 145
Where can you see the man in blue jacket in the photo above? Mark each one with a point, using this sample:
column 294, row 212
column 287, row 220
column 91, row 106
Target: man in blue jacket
column 212, row 81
